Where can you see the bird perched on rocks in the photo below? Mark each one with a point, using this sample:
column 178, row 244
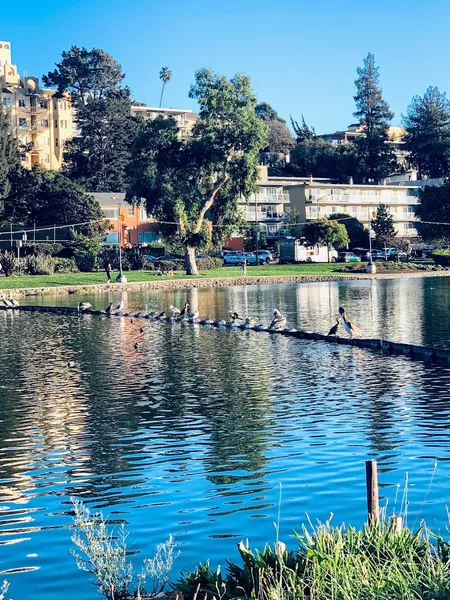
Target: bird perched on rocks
column 334, row 329
column 349, row 327
column 119, row 307
column 250, row 321
column 184, row 309
column 234, row 316
column 84, row 306
column 108, row 309
column 174, row 310
column 278, row 322
column 193, row 316
column 13, row 302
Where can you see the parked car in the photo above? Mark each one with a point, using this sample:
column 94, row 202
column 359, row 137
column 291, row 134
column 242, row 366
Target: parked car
column 265, row 255
column 237, row 258
column 378, row 255
column 396, row 254
column 363, row 253
column 348, row 257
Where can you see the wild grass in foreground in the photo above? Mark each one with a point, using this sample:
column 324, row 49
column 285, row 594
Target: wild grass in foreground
column 377, row 562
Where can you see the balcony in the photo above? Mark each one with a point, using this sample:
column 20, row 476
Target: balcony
column 363, row 200
column 249, row 215
column 270, row 198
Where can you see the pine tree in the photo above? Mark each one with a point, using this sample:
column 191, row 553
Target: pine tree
column 383, row 226
column 427, row 122
column 10, row 155
column 98, row 156
column 375, row 154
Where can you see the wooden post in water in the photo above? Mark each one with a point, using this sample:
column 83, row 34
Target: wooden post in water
column 373, row 508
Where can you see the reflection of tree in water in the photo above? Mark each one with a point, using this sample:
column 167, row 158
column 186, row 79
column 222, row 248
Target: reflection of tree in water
column 213, row 376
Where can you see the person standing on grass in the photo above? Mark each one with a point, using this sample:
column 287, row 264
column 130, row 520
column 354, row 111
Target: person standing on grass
column 108, row 272
column 244, row 267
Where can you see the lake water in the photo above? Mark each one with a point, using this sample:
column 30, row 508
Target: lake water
column 197, row 433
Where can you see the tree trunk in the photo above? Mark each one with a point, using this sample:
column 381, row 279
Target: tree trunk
column 190, row 262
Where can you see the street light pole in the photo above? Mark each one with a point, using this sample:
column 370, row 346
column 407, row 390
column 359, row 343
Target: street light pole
column 120, row 277
column 256, row 228
column 370, row 268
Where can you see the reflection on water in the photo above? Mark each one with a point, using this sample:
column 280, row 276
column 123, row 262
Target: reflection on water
column 193, row 434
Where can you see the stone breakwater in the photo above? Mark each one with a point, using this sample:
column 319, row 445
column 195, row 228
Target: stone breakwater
column 424, row 353
column 172, row 284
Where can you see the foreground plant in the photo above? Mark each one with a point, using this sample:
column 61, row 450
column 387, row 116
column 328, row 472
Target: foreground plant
column 103, row 553
column 374, row 563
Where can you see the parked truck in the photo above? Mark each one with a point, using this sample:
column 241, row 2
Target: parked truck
column 292, row 250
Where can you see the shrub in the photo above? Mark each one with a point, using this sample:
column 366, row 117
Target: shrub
column 135, row 258
column 41, row 264
column 104, row 555
column 209, row 262
column 109, row 254
column 65, row 265
column 85, row 261
column 43, row 248
column 10, row 263
column 441, row 257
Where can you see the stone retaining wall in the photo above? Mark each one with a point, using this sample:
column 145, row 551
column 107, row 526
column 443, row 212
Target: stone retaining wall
column 172, row 284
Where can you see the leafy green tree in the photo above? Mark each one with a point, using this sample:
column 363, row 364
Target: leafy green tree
column 250, row 239
column 376, row 156
column 383, row 226
column 280, row 139
column 357, row 233
column 49, row 198
column 10, row 155
column 302, row 131
column 434, row 207
column 165, row 75
column 427, row 122
column 196, row 182
column 326, row 233
column 98, row 156
column 318, row 158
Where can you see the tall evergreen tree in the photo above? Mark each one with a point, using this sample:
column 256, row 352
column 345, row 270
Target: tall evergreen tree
column 383, row 226
column 376, row 156
column 10, row 155
column 427, row 122
column 97, row 157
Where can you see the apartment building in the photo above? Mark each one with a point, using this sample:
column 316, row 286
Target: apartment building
column 37, row 117
column 318, row 200
column 135, row 226
column 395, row 139
column 185, row 119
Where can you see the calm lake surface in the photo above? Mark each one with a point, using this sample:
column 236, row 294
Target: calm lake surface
column 195, row 434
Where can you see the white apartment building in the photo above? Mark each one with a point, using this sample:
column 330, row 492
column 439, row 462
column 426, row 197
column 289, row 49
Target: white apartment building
column 318, row 200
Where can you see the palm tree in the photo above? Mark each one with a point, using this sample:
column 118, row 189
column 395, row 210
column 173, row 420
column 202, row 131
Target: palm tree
column 165, row 75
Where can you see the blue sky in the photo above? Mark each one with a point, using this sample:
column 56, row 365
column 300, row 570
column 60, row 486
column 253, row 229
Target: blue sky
column 301, row 55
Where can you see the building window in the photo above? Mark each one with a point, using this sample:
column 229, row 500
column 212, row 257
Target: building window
column 44, row 104
column 44, row 123
column 22, row 122
column 131, row 211
column 56, row 123
column 6, row 46
column 110, row 213
column 143, row 215
column 56, row 142
column 65, row 124
column 55, row 105
column 7, row 101
column 21, row 103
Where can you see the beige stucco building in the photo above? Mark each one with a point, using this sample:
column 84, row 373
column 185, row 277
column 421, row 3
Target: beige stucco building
column 185, row 119
column 319, row 200
column 37, row 117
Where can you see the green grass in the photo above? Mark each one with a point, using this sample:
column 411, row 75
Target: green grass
column 37, row 281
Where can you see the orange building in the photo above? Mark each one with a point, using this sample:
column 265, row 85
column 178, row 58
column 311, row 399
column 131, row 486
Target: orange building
column 136, row 227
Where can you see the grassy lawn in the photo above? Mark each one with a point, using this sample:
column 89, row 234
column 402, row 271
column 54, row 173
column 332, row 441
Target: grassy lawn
column 29, row 281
